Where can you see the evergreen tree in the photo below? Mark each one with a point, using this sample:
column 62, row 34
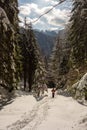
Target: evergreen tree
column 53, row 64
column 78, row 32
column 58, row 66
column 9, row 50
column 33, row 64
column 40, row 78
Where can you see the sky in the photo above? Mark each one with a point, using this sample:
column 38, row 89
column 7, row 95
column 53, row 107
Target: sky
column 54, row 20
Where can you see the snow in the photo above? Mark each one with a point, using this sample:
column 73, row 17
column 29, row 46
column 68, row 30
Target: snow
column 64, row 114
column 14, row 111
column 59, row 113
column 80, row 90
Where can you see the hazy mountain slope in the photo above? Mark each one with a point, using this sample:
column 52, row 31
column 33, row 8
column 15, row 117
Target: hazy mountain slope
column 46, row 41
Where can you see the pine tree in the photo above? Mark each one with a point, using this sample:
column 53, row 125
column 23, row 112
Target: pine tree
column 78, row 32
column 29, row 55
column 9, row 51
column 33, row 65
column 40, row 78
column 58, row 66
column 53, row 64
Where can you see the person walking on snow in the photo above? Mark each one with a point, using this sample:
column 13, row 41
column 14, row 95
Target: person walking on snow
column 53, row 92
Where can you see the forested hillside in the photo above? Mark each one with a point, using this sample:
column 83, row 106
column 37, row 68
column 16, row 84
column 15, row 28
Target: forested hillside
column 45, row 40
column 20, row 55
column 58, row 64
column 69, row 58
column 32, row 61
column 23, row 52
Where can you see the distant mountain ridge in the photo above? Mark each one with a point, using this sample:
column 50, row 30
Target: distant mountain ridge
column 46, row 40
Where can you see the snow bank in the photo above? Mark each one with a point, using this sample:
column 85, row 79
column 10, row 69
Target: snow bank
column 80, row 90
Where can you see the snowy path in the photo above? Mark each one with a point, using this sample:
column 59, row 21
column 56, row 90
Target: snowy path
column 60, row 113
column 64, row 114
column 32, row 119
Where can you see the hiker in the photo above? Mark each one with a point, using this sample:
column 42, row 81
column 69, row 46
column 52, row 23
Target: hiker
column 53, row 92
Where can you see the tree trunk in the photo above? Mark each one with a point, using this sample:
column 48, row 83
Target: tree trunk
column 25, row 76
column 30, row 77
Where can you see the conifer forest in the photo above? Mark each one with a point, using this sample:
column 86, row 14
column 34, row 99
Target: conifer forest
column 37, row 61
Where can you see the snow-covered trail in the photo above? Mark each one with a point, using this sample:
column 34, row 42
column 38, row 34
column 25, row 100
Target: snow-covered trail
column 64, row 113
column 32, row 119
column 60, row 113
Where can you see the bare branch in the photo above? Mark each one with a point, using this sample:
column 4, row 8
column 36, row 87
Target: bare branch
column 61, row 1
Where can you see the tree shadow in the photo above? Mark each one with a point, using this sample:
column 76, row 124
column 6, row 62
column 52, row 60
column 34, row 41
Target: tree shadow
column 40, row 97
column 63, row 93
column 10, row 97
column 17, row 93
column 5, row 102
